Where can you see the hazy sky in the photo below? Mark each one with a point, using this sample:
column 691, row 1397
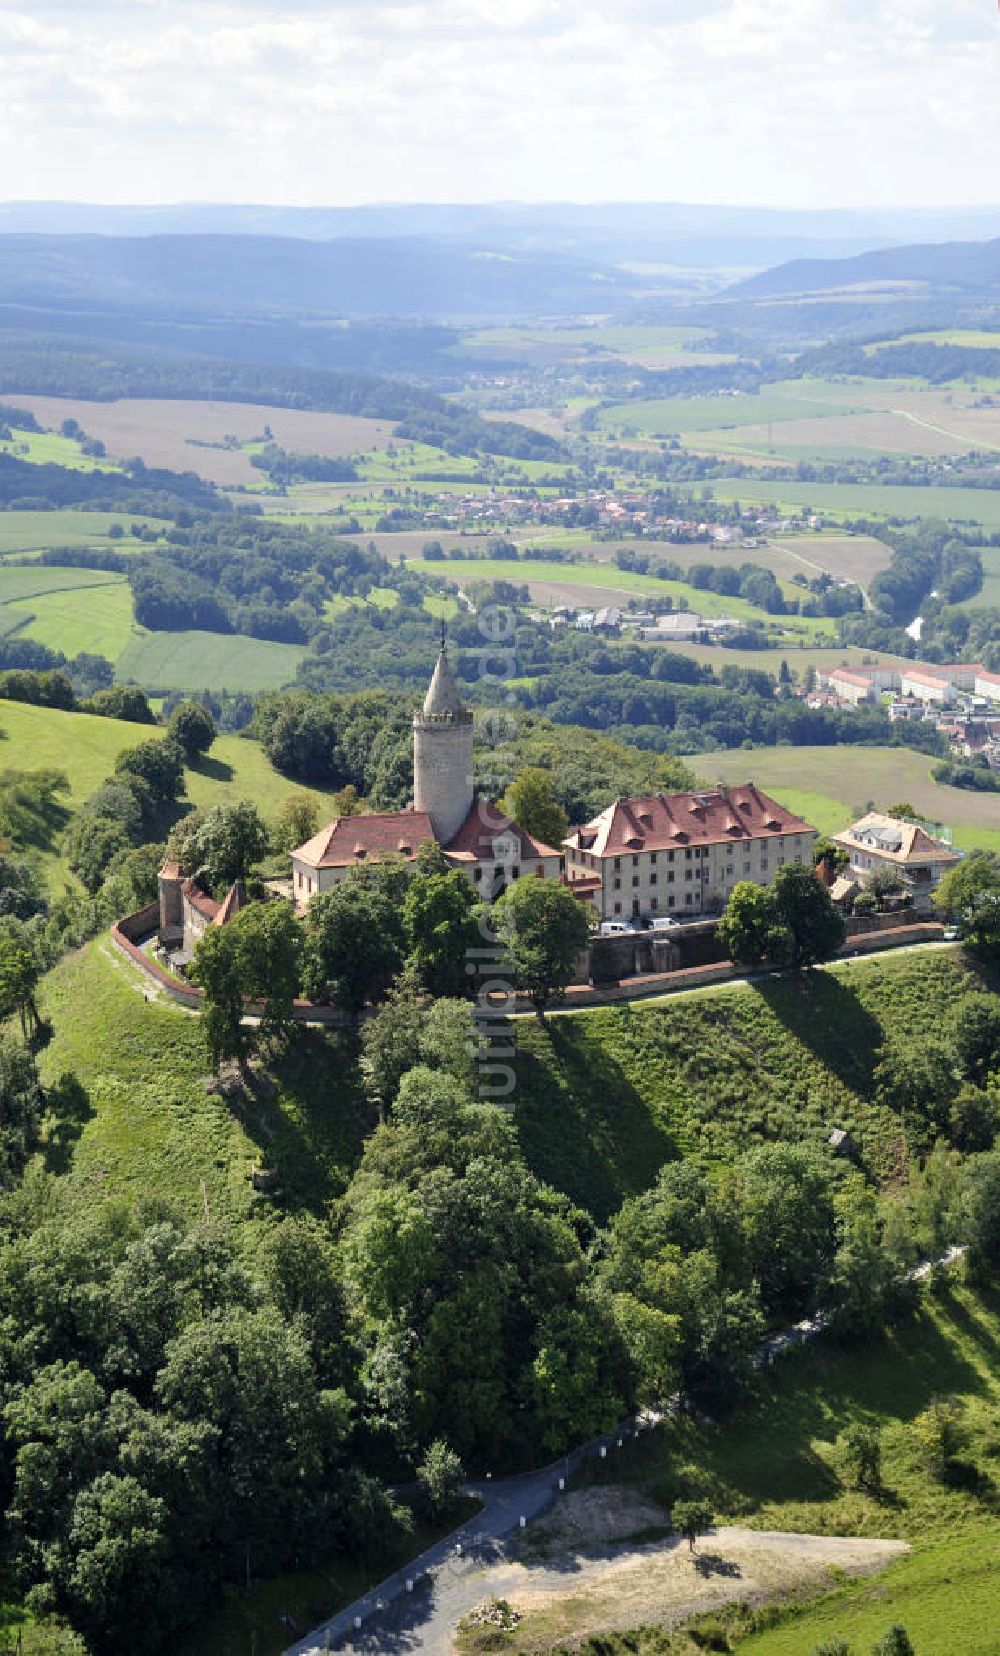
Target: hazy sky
column 792, row 102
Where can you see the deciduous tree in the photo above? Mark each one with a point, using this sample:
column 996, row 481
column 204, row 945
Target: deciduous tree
column 543, row 930
column 691, row 1519
column 532, row 804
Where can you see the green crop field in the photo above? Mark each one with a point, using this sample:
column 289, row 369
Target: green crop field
column 973, row 338
column 20, row 582
column 829, row 786
column 38, row 531
column 96, row 619
column 664, row 416
column 208, row 661
column 989, row 595
column 799, row 655
column 854, row 500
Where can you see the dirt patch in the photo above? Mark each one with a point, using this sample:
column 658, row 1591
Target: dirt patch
column 589, row 1519
column 573, row 1598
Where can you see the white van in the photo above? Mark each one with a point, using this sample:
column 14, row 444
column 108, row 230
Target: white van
column 613, row 928
column 663, row 922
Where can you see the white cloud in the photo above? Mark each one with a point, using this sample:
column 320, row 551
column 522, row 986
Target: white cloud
column 812, row 102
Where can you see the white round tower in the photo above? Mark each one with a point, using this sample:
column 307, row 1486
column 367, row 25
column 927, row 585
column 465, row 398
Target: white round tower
column 442, row 754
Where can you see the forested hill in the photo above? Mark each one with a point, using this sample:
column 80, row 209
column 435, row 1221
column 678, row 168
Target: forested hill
column 961, row 266
column 423, row 276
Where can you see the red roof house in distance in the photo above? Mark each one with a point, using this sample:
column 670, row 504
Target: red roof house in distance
column 681, row 854
column 473, row 833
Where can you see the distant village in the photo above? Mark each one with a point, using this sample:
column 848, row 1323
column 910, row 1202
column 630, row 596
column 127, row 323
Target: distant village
column 636, row 512
column 961, row 700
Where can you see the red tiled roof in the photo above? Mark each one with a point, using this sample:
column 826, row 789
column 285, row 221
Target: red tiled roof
column 843, row 675
column 350, row 840
column 663, row 822
column 485, row 823
column 234, row 900
column 200, row 900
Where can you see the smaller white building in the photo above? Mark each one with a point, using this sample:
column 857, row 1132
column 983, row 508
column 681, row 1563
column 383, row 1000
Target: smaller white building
column 906, row 848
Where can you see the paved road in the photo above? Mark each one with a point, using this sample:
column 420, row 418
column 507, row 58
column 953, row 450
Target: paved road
column 396, row 1619
column 406, row 1611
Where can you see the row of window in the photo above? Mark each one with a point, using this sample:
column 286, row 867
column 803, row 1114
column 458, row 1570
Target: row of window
column 697, row 852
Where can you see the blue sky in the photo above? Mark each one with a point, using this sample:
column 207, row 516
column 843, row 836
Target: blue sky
column 786, row 102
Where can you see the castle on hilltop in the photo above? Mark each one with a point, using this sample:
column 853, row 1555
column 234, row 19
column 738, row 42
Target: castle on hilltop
column 472, row 831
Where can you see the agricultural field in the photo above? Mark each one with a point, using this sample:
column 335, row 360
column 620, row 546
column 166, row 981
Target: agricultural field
column 22, row 532
column 67, row 609
column 192, row 435
column 669, row 416
column 874, row 500
column 821, row 419
column 979, row 339
column 591, row 583
column 207, row 661
column 830, row 786
column 653, row 346
column 50, row 448
column 799, row 656
column 989, row 595
column 91, row 618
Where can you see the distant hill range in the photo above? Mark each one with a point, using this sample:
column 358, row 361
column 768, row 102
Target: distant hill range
column 957, row 267
column 687, row 236
column 275, row 275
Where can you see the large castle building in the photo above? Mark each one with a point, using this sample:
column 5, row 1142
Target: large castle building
column 471, row 830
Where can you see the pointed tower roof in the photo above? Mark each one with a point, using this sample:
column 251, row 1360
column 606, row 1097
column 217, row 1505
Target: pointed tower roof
column 442, row 700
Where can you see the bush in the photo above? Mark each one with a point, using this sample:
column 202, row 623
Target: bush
column 440, row 1475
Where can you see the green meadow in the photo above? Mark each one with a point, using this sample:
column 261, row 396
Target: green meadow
column 85, row 748
column 38, row 531
column 830, row 786
column 207, row 661
column 48, row 448
column 854, row 500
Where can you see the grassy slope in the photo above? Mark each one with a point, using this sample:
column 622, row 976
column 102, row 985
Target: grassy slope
column 208, row 661
column 96, row 619
column 151, row 1127
column 830, row 785
column 85, row 748
column 783, row 1466
column 604, row 1098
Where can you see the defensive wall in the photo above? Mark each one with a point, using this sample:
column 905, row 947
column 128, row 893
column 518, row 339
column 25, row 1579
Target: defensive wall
column 614, row 969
